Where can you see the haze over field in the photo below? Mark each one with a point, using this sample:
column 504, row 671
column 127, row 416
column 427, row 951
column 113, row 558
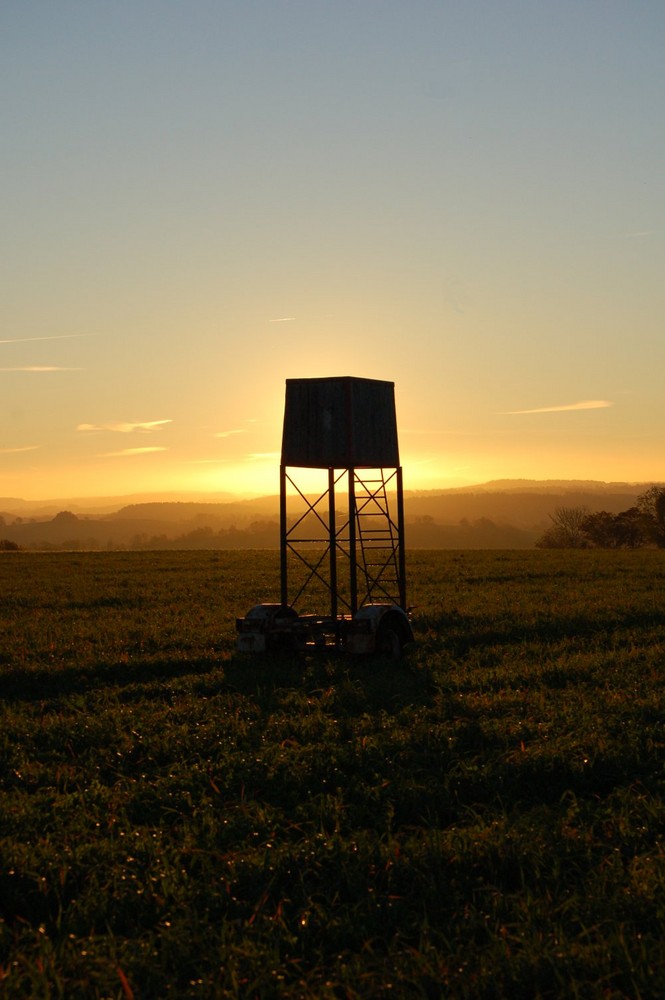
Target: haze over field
column 204, row 199
column 506, row 514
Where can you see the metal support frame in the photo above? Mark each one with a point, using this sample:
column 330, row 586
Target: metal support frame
column 365, row 551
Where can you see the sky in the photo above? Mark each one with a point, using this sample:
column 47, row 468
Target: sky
column 203, row 199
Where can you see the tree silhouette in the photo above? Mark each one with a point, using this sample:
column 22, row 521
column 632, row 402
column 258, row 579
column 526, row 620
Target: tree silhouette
column 651, row 505
column 566, row 531
column 614, row 531
column 577, row 527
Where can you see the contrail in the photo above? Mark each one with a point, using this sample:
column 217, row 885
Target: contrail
column 125, row 428
column 586, row 404
column 41, row 368
column 61, row 336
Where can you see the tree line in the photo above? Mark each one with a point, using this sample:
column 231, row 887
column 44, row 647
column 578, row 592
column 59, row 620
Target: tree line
column 580, row 528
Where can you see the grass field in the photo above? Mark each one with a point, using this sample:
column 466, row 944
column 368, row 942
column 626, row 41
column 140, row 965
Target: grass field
column 486, row 820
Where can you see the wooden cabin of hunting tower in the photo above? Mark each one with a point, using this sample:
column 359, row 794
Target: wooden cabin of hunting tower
column 340, row 423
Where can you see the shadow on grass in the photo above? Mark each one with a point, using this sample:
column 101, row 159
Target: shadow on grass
column 43, row 684
column 462, row 634
column 359, row 684
column 362, row 684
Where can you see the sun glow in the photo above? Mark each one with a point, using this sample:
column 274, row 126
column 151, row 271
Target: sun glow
column 173, row 262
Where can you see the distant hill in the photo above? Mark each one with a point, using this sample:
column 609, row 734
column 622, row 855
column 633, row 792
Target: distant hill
column 18, row 507
column 99, row 506
column 562, row 486
column 528, row 508
column 187, row 510
column 498, row 514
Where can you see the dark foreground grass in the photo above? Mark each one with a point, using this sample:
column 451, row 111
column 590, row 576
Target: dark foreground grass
column 486, row 821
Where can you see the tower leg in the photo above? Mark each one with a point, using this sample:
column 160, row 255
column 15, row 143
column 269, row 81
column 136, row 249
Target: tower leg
column 332, row 541
column 282, row 536
column 400, row 534
column 353, row 560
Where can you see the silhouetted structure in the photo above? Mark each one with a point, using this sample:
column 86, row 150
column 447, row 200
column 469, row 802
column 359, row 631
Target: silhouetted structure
column 340, row 423
column 354, row 557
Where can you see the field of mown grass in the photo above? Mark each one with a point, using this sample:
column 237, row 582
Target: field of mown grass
column 486, row 820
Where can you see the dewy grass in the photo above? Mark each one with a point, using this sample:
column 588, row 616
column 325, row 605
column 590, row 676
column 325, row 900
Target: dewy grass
column 485, row 820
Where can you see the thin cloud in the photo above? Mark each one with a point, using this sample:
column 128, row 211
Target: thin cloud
column 432, row 432
column 226, row 434
column 41, row 368
column 585, row 404
column 283, row 319
column 17, row 451
column 145, row 426
column 60, row 336
column 428, row 431
column 130, row 452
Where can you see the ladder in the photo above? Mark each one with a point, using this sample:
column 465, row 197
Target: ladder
column 378, row 539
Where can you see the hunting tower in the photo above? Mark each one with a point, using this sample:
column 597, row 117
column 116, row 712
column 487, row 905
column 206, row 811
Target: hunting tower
column 343, row 540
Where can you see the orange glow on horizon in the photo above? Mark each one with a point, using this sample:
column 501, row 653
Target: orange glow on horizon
column 158, row 473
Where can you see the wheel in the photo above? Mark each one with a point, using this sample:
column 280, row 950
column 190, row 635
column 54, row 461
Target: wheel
column 281, row 643
column 388, row 642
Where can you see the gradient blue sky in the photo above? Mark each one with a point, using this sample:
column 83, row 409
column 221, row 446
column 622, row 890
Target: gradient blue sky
column 203, row 199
